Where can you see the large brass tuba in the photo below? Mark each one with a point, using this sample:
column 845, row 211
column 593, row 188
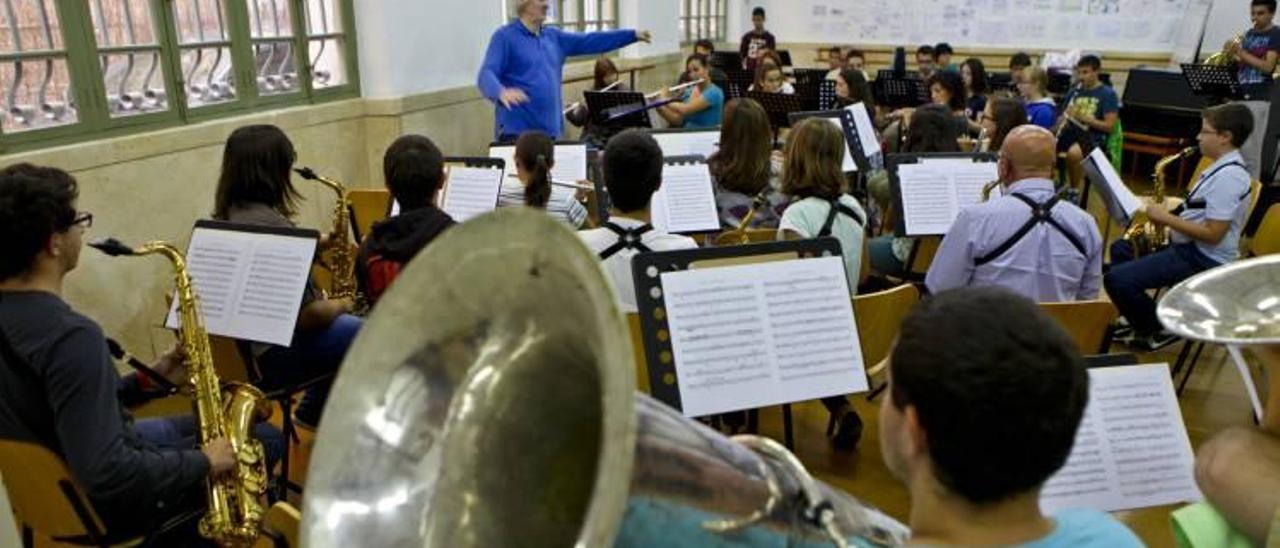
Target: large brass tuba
column 341, row 260
column 222, row 412
column 489, row 401
column 1144, row 236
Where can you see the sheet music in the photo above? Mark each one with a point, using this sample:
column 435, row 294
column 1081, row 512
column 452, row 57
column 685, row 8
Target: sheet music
column 689, row 143
column 934, row 191
column 866, row 130
column 471, row 191
column 1132, row 449
column 570, row 160
column 762, row 334
column 847, row 164
column 686, row 203
column 250, row 285
column 1121, row 203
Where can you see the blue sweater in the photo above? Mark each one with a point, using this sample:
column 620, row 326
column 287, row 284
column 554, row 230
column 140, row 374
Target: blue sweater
column 517, row 58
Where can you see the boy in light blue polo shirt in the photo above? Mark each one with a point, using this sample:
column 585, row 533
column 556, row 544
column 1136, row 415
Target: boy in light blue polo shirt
column 1205, row 229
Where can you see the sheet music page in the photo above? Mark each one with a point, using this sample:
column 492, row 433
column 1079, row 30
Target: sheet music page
column 471, row 191
column 1122, row 204
column 969, row 178
column 928, row 198
column 570, row 160
column 686, row 202
column 689, row 143
column 249, row 285
column 1132, row 449
column 847, row 165
column 762, row 334
column 866, row 130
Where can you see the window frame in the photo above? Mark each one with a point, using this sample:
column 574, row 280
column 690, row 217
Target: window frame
column 579, row 8
column 84, row 68
column 696, row 24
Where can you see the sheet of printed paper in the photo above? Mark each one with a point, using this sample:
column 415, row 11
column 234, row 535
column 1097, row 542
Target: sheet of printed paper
column 936, row 189
column 686, row 202
column 570, row 161
column 1132, row 449
column 1122, row 204
column 688, row 143
column 249, row 285
column 470, row 192
column 866, row 130
column 762, row 334
column 847, row 165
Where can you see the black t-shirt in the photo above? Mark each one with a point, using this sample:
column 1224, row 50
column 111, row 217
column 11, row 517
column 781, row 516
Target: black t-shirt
column 58, row 388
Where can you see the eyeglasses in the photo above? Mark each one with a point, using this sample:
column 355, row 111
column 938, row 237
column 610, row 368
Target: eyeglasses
column 82, row 218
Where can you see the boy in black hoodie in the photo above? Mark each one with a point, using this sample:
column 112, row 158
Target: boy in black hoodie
column 414, row 170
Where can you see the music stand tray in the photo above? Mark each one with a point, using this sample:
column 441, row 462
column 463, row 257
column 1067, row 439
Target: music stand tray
column 1214, row 81
column 779, row 106
column 619, row 109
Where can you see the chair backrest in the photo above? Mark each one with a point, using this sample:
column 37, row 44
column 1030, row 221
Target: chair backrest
column 281, row 525
column 369, row 206
column 751, row 236
column 1266, row 240
column 43, row 494
column 637, row 347
column 1086, row 321
column 879, row 316
column 926, row 249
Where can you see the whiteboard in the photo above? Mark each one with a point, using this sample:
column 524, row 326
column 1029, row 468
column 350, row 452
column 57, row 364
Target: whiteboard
column 1147, row 26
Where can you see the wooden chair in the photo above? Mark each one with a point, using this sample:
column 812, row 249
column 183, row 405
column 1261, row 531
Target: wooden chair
column 280, row 527
column 637, row 347
column 752, row 236
column 879, row 317
column 46, row 499
column 368, row 206
column 1266, row 240
column 1088, row 323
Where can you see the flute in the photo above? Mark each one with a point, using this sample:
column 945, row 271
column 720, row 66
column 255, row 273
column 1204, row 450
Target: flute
column 565, row 184
column 674, row 89
column 577, row 104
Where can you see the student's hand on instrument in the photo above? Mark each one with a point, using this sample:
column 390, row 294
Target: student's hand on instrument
column 511, row 97
column 222, row 458
column 644, row 36
column 581, row 194
column 1158, row 214
column 172, row 365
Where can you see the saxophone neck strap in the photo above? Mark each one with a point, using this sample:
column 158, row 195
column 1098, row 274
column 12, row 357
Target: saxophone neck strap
column 1040, row 214
column 1195, row 202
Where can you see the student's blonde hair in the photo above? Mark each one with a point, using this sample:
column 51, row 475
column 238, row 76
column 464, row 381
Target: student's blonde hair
column 814, row 156
column 1039, row 78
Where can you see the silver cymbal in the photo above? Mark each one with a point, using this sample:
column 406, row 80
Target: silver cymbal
column 1236, row 304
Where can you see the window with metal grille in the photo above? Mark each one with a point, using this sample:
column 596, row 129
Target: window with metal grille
column 702, row 19
column 579, row 15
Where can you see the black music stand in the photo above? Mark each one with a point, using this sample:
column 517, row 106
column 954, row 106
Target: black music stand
column 740, row 82
column 618, row 109
column 785, row 55
column 850, row 133
column 779, row 106
column 1212, row 81
column 727, row 61
column 647, row 269
column 899, row 92
column 997, row 81
column 806, row 77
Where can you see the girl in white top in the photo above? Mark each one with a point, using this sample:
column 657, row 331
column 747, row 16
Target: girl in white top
column 534, row 158
column 770, row 79
column 812, row 176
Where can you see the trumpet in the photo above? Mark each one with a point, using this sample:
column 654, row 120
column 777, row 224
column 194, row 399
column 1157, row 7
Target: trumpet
column 674, row 89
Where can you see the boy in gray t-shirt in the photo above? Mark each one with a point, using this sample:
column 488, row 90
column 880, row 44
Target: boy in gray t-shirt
column 1205, row 230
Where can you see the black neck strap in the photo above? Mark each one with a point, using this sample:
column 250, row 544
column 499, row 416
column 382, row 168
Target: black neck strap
column 627, row 239
column 1040, row 213
column 837, row 207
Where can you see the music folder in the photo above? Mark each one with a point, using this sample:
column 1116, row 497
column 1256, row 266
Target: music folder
column 249, row 279
column 570, row 159
column 471, row 186
column 1122, row 204
column 686, row 202
column 703, row 142
column 929, row 190
column 743, row 327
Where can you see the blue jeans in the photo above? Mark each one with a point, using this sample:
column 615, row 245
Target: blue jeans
column 1129, row 279
column 181, row 433
column 883, row 261
column 314, row 355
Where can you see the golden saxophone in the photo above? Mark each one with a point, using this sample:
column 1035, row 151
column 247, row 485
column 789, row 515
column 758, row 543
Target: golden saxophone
column 988, row 188
column 1144, row 236
column 738, row 236
column 222, row 412
column 341, row 260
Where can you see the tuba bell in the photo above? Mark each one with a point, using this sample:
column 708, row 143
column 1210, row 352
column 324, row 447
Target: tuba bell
column 504, row 413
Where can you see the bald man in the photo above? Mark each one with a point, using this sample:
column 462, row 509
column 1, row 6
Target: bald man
column 523, row 69
column 1024, row 239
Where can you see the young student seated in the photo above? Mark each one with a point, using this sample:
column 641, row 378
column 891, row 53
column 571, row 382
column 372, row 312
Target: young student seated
column 925, row 61
column 701, row 106
column 1205, row 231
column 856, row 59
column 1028, row 240
column 835, row 61
column 1001, row 116
column 820, row 207
column 255, row 188
column 942, row 57
column 973, row 74
column 605, row 75
column 60, row 389
column 770, row 79
column 985, row 394
column 535, row 157
column 1033, row 86
column 632, row 173
column 756, row 41
column 852, row 88
column 745, row 169
column 947, row 90
column 1091, row 109
column 1018, row 62
column 413, row 170
column 704, row 48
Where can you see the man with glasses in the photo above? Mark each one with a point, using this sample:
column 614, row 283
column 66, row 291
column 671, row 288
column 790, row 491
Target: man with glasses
column 1024, row 238
column 59, row 388
column 1204, row 230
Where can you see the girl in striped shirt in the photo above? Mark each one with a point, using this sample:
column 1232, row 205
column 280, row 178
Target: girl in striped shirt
column 534, row 158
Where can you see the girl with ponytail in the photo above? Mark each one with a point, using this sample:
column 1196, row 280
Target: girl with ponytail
column 534, row 160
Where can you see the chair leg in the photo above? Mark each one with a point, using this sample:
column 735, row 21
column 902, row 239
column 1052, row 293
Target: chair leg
column 1191, row 368
column 82, row 512
column 290, row 438
column 1183, row 354
column 753, row 421
column 28, row 537
column 788, row 436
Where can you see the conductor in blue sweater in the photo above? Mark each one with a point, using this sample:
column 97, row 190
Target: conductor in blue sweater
column 522, row 70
